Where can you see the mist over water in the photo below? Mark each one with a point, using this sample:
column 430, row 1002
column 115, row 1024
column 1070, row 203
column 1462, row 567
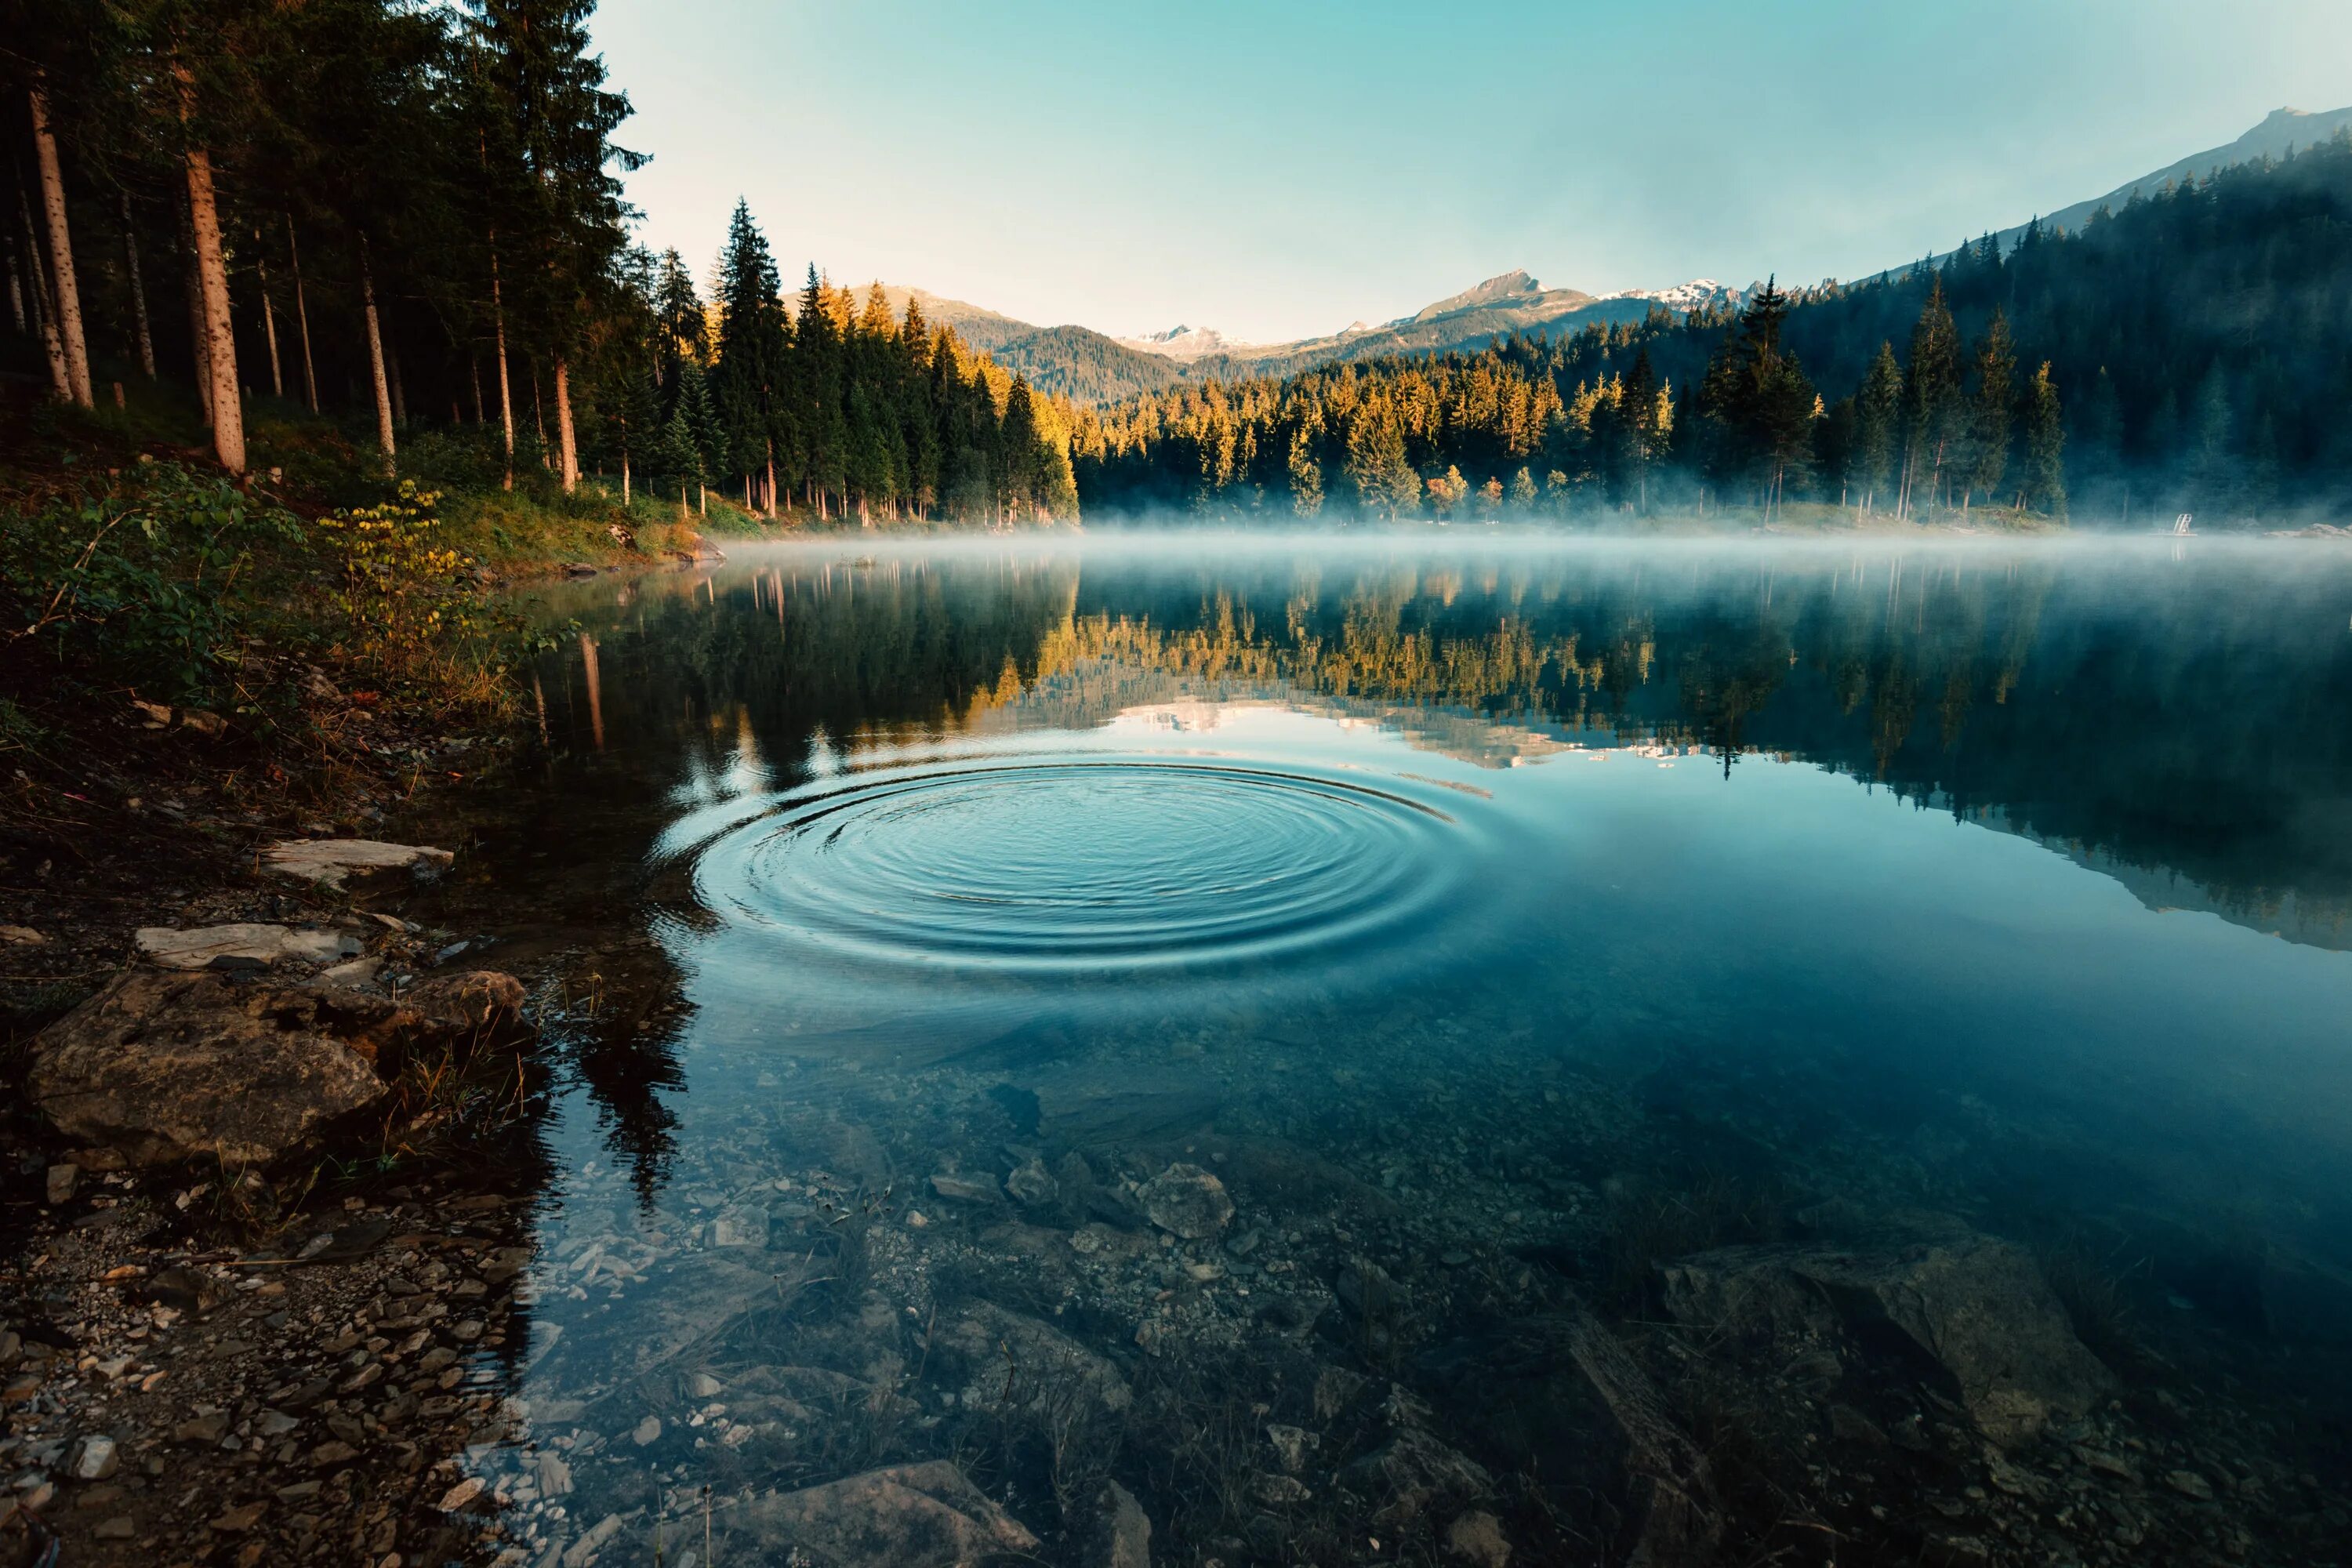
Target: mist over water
column 2004, row 881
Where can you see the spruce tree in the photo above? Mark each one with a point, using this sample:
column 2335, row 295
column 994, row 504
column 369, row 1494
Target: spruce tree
column 747, row 380
column 1931, row 386
column 1878, row 417
column 1993, row 408
column 2045, row 446
column 1305, row 475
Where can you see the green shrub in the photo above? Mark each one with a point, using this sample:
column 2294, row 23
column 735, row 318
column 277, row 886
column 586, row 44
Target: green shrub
column 143, row 580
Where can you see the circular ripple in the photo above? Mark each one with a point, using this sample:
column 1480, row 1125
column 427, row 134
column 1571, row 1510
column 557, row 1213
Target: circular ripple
column 1077, row 864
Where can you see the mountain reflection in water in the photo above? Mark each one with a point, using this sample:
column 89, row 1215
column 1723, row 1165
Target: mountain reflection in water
column 1504, row 927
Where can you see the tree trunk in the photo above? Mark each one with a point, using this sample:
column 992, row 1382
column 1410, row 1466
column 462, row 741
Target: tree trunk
column 44, row 317
column 204, row 220
column 268, row 317
column 200, row 354
column 506, row 397
column 474, row 371
column 563, row 425
column 302, row 319
column 61, row 262
column 138, row 291
column 771, row 482
column 376, row 362
column 538, row 418
column 625, row 476
column 16, row 290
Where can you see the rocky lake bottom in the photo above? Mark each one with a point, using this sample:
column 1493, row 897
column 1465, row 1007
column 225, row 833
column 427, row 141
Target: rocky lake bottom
column 1598, row 1059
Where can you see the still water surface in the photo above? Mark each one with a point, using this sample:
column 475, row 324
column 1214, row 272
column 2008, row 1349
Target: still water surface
column 1498, row 926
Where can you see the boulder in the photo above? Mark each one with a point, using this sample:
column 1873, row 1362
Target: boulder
column 1977, row 1307
column 1560, row 1394
column 907, row 1516
column 1186, row 1201
column 1022, row 1363
column 1412, row 1473
column 1120, row 1534
column 331, row 862
column 164, row 1066
column 203, row 947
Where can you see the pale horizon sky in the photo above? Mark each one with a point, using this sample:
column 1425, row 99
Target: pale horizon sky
column 1277, row 170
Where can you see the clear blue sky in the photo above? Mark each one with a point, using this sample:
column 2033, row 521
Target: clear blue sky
column 1278, row 169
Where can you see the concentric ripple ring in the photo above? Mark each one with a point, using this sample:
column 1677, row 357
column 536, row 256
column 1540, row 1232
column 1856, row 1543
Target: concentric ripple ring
column 1075, row 864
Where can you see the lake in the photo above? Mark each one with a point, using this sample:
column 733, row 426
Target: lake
column 1367, row 1050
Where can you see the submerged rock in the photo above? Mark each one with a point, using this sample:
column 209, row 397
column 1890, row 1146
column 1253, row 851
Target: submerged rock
column 1007, row 1359
column 1412, row 1473
column 907, row 1516
column 1559, row 1393
column 1186, row 1201
column 164, row 1067
column 1978, row 1307
column 201, row 947
column 1119, row 1535
column 331, row 862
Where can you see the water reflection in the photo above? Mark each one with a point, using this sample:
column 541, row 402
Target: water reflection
column 1502, row 936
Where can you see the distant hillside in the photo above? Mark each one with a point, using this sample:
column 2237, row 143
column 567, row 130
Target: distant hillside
column 1083, row 365
column 1508, row 303
column 2282, row 131
column 1092, row 367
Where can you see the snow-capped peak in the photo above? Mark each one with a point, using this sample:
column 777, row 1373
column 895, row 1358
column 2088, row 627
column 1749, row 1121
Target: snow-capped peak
column 1184, row 342
column 1687, row 296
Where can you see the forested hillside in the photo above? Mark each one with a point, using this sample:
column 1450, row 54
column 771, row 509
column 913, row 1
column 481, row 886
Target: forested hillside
column 409, row 219
column 2190, row 352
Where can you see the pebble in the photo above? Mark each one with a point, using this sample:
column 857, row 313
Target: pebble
column 647, row 1431
column 2189, row 1483
column 1186, row 1201
column 967, row 1189
column 94, row 1458
column 240, row 1520
column 62, row 1181
column 461, row 1494
column 205, row 1429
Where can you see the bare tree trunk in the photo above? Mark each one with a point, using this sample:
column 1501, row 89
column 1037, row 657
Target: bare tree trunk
column 138, row 291
column 302, row 319
column 772, row 479
column 204, row 220
column 563, row 425
column 200, row 354
column 269, row 316
column 474, row 371
column 538, row 418
column 625, row 476
column 16, row 290
column 506, row 397
column 61, row 262
column 44, row 317
column 376, row 362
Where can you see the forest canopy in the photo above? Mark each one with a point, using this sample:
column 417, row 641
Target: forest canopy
column 386, row 213
column 2189, row 352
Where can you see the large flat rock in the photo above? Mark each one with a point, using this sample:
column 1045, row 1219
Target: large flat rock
column 332, row 862
column 1977, row 1306
column 200, row 947
column 164, row 1066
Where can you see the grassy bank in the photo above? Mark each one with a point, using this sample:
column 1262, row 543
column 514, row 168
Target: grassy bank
column 190, row 665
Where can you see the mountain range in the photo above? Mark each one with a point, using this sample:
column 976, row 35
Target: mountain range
column 1089, row 366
